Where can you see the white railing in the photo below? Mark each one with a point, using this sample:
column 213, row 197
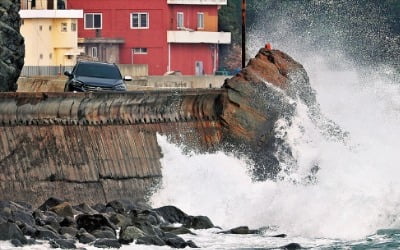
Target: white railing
column 198, row 2
column 182, row 36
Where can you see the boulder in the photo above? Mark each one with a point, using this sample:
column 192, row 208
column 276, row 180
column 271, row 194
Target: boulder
column 63, row 209
column 200, row 222
column 241, row 230
column 12, row 50
column 291, row 246
column 173, row 214
column 129, row 234
column 107, row 243
column 85, row 237
column 63, row 244
column 150, row 240
column 85, row 208
column 120, row 220
column 256, row 99
column 93, row 222
column 9, row 231
column 104, row 233
column 176, row 230
column 68, row 230
column 49, row 203
column 44, row 233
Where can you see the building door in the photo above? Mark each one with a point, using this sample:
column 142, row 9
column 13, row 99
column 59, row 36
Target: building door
column 198, row 68
column 50, row 4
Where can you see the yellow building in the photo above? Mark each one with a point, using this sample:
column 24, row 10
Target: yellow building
column 51, row 35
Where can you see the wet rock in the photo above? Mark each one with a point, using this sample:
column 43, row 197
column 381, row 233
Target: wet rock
column 9, row 231
column 120, row 220
column 85, row 237
column 173, row 214
column 64, row 209
column 93, row 222
column 129, row 234
column 148, row 228
column 292, row 246
column 68, row 230
column 200, row 222
column 241, row 230
column 177, row 230
column 279, row 236
column 100, row 208
column 28, row 230
column 16, row 243
column 191, row 244
column 104, row 233
column 149, row 216
column 44, row 233
column 49, row 203
column 63, row 244
column 107, row 243
column 174, row 241
column 85, row 208
column 150, row 240
column 121, row 206
column 68, row 222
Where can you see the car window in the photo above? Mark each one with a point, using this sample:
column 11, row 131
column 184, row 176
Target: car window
column 98, row 70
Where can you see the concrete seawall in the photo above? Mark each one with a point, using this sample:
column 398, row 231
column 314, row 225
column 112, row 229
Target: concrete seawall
column 96, row 147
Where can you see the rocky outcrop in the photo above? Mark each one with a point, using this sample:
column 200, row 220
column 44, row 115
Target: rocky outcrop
column 12, row 48
column 257, row 98
column 138, row 223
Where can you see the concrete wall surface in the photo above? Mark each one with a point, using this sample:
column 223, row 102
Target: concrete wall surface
column 96, row 147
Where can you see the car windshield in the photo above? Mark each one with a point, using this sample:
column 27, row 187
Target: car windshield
column 98, row 70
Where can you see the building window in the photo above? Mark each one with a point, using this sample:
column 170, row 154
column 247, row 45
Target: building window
column 93, row 21
column 41, row 56
column 93, row 51
column 50, row 56
column 73, row 26
column 40, row 27
column 64, row 27
column 200, row 20
column 180, row 20
column 139, row 20
column 49, row 27
column 139, row 51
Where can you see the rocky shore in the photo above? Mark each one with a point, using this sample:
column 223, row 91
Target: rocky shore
column 111, row 225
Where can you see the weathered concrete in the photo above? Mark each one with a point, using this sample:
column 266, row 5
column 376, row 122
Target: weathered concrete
column 96, row 147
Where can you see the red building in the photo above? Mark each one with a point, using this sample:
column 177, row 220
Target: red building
column 167, row 35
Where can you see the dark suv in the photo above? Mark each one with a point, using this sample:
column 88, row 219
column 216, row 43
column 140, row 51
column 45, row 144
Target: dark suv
column 95, row 76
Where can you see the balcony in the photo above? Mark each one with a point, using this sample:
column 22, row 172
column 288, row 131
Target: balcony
column 198, row 2
column 183, row 36
column 51, row 14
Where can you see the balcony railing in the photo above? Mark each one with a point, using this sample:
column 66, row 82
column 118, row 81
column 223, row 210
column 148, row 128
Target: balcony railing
column 183, row 36
column 198, row 2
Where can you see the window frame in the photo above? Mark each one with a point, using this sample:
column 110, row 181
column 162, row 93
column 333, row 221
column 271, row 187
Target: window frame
column 140, row 51
column 93, row 14
column 139, row 20
column 178, row 14
column 200, row 20
column 64, row 27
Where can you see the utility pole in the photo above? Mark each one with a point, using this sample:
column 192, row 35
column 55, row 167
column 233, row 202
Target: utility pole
column 243, row 33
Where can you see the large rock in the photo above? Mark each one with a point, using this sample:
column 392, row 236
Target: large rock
column 257, row 98
column 12, row 48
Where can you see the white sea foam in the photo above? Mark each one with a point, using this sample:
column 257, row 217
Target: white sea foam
column 354, row 192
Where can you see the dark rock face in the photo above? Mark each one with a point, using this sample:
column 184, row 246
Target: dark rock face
column 12, row 48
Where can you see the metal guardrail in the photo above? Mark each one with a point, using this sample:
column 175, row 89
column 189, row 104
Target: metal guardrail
column 44, row 70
